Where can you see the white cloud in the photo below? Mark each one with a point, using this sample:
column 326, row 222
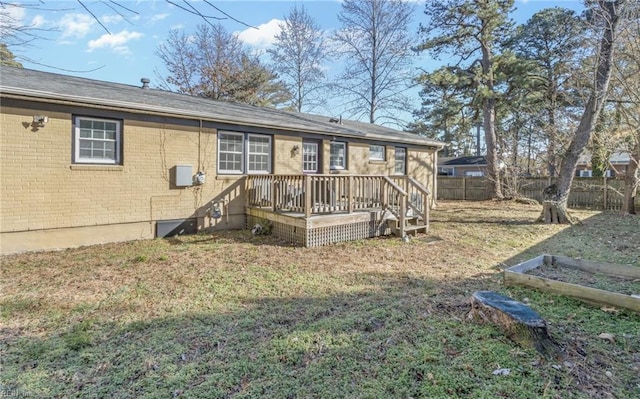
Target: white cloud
column 10, row 17
column 111, row 19
column 38, row 21
column 158, row 17
column 117, row 42
column 262, row 37
column 76, row 25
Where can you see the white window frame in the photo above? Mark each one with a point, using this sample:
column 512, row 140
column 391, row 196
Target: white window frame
column 377, row 152
column 343, row 164
column 242, row 157
column 77, row 158
column 404, row 161
column 586, row 173
column 450, row 171
column 245, row 154
column 249, row 153
column 316, row 161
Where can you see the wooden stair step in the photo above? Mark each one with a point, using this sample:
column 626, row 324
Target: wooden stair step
column 411, row 227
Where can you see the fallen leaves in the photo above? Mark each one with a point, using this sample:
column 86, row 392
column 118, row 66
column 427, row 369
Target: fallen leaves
column 607, row 337
column 501, row 371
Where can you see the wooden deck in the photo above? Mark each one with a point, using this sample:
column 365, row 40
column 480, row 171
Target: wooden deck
column 314, row 210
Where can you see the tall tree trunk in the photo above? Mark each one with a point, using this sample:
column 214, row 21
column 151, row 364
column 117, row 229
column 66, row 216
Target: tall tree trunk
column 551, row 148
column 632, row 181
column 489, row 115
column 555, row 207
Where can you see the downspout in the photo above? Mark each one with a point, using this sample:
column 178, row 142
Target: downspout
column 200, row 166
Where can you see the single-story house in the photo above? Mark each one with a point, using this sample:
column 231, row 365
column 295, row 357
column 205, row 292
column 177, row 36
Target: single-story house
column 619, row 163
column 86, row 162
column 469, row 166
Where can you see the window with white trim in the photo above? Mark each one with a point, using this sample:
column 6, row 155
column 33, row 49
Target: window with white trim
column 97, row 140
column 240, row 153
column 376, row 152
column 446, row 171
column 259, row 154
column 400, row 157
column 338, row 155
column 310, row 157
column 230, row 152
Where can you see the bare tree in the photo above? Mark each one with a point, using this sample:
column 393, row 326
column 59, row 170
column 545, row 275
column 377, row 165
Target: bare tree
column 626, row 93
column 375, row 42
column 15, row 34
column 297, row 55
column 608, row 13
column 213, row 63
column 180, row 61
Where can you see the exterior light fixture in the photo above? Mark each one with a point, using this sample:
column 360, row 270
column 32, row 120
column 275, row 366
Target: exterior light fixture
column 40, row 119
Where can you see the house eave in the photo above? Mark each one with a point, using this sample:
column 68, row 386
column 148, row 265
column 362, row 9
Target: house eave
column 141, row 108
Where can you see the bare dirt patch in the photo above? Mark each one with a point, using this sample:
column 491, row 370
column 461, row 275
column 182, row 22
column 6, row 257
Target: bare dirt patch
column 621, row 285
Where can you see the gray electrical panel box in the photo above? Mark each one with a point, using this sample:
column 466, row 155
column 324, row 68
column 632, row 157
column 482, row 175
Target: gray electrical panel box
column 184, row 175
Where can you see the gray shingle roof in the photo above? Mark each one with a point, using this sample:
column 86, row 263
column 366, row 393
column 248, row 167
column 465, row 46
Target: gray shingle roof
column 465, row 161
column 45, row 86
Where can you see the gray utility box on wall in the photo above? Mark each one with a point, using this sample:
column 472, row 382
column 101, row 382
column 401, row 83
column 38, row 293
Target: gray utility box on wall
column 183, row 175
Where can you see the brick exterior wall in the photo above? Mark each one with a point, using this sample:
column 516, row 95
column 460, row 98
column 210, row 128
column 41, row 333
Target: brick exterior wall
column 48, row 202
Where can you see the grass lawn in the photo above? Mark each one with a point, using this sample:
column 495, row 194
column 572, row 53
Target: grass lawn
column 231, row 315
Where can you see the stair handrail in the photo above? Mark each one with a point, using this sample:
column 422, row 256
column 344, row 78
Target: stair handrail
column 404, row 198
column 425, row 199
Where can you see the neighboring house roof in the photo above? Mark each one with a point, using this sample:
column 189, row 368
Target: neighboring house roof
column 617, row 158
column 55, row 88
column 464, row 161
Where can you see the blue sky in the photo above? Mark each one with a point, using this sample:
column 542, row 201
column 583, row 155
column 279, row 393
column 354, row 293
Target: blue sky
column 74, row 43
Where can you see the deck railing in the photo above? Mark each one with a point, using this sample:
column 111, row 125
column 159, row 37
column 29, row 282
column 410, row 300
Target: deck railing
column 323, row 194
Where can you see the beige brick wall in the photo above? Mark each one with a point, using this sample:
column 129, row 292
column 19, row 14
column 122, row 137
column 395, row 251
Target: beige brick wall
column 420, row 165
column 42, row 190
column 286, row 161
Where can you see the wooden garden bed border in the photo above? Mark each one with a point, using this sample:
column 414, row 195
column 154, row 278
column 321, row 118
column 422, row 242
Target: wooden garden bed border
column 515, row 275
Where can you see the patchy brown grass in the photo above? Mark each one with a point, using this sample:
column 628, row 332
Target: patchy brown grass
column 229, row 314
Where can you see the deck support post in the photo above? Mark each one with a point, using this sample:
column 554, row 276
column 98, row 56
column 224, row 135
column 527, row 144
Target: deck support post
column 350, row 194
column 307, row 196
column 273, row 194
column 425, row 210
column 403, row 214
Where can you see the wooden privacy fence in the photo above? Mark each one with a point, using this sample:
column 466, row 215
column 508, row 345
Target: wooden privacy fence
column 586, row 192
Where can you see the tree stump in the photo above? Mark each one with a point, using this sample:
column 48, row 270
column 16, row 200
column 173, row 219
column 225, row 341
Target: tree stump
column 554, row 209
column 521, row 324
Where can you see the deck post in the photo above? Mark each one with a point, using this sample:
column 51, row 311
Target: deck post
column 403, row 214
column 307, row 196
column 426, row 212
column 247, row 192
column 350, row 194
column 273, row 194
